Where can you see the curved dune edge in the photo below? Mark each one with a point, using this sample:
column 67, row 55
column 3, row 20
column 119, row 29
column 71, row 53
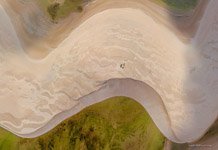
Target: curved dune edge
column 139, row 91
column 173, row 70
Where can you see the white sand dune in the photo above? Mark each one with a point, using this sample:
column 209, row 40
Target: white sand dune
column 175, row 82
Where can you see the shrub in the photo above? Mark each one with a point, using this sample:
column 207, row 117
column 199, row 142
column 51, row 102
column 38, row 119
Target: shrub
column 53, row 9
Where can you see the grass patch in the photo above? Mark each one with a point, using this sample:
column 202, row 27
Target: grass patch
column 117, row 123
column 8, row 141
column 179, row 5
column 69, row 6
column 57, row 10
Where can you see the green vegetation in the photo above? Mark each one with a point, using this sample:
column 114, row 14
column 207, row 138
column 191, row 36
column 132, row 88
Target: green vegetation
column 57, row 10
column 8, row 141
column 179, row 5
column 117, row 123
column 53, row 10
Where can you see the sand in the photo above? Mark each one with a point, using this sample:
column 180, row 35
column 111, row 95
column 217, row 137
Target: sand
column 173, row 80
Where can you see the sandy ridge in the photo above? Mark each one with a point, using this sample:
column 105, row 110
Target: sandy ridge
column 100, row 44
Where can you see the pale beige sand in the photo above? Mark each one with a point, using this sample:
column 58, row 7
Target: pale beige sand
column 175, row 82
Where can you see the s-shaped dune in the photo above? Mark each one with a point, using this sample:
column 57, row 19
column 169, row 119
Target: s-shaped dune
column 117, row 52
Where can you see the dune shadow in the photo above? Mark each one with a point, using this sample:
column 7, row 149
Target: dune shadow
column 38, row 34
column 201, row 86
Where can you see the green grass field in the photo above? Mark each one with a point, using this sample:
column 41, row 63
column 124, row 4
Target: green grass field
column 178, row 5
column 115, row 124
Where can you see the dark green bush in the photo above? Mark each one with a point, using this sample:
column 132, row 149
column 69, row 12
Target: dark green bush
column 53, row 9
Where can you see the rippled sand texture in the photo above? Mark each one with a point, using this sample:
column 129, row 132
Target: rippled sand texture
column 177, row 83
